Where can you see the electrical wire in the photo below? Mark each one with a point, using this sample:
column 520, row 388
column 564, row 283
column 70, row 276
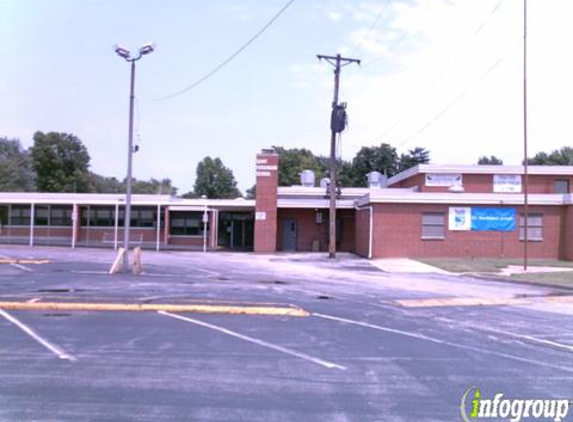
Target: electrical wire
column 461, row 95
column 229, row 59
column 404, row 116
column 367, row 35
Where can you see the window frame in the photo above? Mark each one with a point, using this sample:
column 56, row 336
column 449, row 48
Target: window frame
column 533, row 227
column 424, row 224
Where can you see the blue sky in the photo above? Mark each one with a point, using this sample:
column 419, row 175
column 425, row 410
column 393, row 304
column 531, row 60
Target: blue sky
column 443, row 75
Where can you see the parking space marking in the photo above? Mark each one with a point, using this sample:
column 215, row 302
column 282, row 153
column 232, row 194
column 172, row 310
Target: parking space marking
column 481, row 301
column 14, row 263
column 525, row 337
column 251, row 309
column 51, row 347
column 443, row 342
column 259, row 342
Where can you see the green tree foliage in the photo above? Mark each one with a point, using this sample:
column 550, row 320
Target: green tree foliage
column 61, row 163
column 214, row 180
column 293, row 161
column 491, row 160
column 103, row 184
column 413, row 158
column 153, row 187
column 345, row 175
column 560, row 157
column 383, row 159
column 251, row 193
column 16, row 171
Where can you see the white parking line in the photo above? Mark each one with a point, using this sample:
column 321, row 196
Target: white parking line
column 281, row 349
column 526, row 337
column 51, row 347
column 20, row 266
column 443, row 342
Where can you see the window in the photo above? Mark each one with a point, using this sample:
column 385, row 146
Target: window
column 60, row 215
column 41, row 215
column 534, row 227
column 433, row 224
column 186, row 224
column 20, row 215
column 561, row 186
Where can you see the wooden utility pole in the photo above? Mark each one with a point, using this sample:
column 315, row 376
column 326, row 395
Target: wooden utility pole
column 338, row 62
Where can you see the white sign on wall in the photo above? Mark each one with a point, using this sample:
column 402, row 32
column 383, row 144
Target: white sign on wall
column 460, row 218
column 507, row 183
column 260, row 215
column 443, row 180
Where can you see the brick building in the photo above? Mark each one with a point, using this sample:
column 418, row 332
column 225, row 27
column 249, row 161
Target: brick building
column 428, row 210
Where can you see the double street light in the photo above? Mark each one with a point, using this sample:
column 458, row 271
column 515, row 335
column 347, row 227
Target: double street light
column 126, row 54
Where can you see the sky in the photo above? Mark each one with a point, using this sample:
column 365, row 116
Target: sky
column 445, row 75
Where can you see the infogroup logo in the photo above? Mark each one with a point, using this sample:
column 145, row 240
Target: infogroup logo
column 475, row 407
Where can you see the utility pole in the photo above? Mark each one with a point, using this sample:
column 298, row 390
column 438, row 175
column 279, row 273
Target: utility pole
column 525, row 169
column 338, row 62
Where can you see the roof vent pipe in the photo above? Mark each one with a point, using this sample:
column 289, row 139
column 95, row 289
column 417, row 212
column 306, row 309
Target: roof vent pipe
column 377, row 180
column 307, row 178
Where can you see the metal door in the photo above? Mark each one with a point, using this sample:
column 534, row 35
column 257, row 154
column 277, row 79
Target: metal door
column 289, row 235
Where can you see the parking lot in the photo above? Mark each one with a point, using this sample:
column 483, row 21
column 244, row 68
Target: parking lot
column 369, row 346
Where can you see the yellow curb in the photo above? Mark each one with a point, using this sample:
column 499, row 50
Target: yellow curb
column 24, row 261
column 476, row 301
column 136, row 307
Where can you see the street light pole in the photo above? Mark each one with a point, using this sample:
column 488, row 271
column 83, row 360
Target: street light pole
column 126, row 54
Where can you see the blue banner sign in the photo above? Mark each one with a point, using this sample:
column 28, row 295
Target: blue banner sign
column 493, row 219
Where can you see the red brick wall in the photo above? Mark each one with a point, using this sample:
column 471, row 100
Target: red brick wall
column 397, row 233
column 266, row 202
column 362, row 232
column 99, row 234
column 483, row 183
column 567, row 233
column 308, row 229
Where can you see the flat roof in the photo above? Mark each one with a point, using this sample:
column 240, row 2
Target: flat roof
column 388, row 197
column 480, row 169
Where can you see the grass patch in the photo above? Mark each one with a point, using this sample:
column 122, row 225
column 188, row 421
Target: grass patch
column 489, row 265
column 558, row 279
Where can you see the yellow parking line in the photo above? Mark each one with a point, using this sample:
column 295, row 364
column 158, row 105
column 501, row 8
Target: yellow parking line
column 136, row 307
column 477, row 301
column 24, row 261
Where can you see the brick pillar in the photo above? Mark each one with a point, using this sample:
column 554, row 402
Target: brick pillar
column 266, row 202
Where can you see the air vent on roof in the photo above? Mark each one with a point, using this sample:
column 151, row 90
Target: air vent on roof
column 307, row 178
column 377, row 180
column 324, row 182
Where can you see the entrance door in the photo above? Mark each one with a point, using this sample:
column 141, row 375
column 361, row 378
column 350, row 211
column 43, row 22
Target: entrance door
column 289, row 235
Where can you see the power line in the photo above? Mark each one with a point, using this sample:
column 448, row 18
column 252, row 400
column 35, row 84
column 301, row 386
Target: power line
column 461, row 95
column 367, row 35
column 478, row 29
column 229, row 59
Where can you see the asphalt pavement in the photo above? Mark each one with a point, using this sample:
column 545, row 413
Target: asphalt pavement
column 358, row 355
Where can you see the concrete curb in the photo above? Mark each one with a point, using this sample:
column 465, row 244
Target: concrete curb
column 136, row 307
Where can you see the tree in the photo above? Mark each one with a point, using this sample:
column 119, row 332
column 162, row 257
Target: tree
column 561, row 157
column 491, row 160
column 153, row 187
column 413, row 158
column 293, row 161
column 214, row 180
column 383, row 159
column 345, row 171
column 16, row 171
column 251, row 193
column 61, row 163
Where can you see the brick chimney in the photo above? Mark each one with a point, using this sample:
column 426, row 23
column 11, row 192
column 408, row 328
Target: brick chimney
column 266, row 202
